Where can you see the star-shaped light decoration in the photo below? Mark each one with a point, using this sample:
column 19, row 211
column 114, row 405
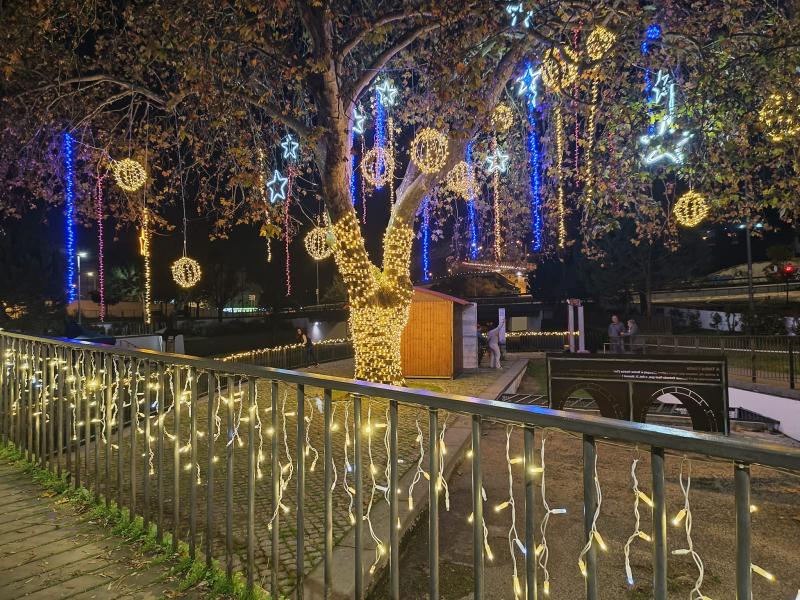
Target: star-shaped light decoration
column 497, row 161
column 388, row 93
column 277, row 187
column 527, row 83
column 516, row 11
column 359, row 119
column 290, row 146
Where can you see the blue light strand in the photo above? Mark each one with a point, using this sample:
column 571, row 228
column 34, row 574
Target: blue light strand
column 652, row 34
column 380, row 131
column 536, row 179
column 426, row 235
column 473, row 226
column 69, row 217
column 353, row 172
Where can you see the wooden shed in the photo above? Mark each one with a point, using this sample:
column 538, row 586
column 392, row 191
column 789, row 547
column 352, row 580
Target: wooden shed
column 440, row 329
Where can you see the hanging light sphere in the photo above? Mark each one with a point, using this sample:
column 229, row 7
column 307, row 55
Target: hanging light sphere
column 599, row 42
column 459, row 180
column 129, row 174
column 316, row 243
column 690, row 209
column 186, row 272
column 558, row 74
column 502, row 118
column 377, row 166
column 429, row 150
column 780, row 116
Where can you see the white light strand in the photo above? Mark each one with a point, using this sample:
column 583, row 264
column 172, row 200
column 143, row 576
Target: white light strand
column 217, row 418
column 685, row 516
column 420, row 471
column 379, row 547
column 348, row 468
column 334, row 427
column 514, row 543
column 594, row 535
column 542, row 551
column 286, row 470
column 310, row 449
column 442, row 482
column 257, row 415
column 637, row 533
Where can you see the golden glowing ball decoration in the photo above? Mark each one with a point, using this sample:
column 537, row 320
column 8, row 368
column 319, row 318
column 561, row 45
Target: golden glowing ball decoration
column 691, row 209
column 316, row 243
column 599, row 42
column 502, row 118
column 557, row 73
column 780, row 116
column 377, row 166
column 429, row 150
column 129, row 174
column 186, row 272
column 459, row 180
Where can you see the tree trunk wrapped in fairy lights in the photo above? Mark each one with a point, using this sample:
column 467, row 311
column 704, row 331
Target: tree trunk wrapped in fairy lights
column 379, row 299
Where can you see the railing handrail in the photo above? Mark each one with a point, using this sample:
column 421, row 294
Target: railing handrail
column 772, row 455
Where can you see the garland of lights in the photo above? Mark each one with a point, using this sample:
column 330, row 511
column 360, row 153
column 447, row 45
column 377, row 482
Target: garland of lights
column 262, row 188
column 376, row 162
column 691, row 209
column 472, row 222
column 527, row 86
column 558, row 73
column 780, row 117
column 390, row 171
column 69, row 216
column 129, row 174
column 144, row 250
column 685, row 516
column 353, row 169
column 426, row 234
column 637, row 534
column 316, row 242
column 498, row 240
column 560, row 141
column 101, row 272
column 502, row 118
column 429, row 150
column 458, row 180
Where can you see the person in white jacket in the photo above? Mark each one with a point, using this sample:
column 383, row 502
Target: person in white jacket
column 494, row 345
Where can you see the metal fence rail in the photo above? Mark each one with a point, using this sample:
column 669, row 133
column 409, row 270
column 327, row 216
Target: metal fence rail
column 761, row 358
column 293, row 356
column 65, row 405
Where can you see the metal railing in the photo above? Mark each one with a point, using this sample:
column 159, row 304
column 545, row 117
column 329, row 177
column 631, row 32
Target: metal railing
column 64, row 404
column 294, row 356
column 760, row 358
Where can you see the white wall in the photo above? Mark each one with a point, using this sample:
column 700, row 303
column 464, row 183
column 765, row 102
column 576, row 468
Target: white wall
column 469, row 335
column 785, row 410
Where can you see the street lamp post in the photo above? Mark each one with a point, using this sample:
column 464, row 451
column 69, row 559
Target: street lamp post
column 79, row 256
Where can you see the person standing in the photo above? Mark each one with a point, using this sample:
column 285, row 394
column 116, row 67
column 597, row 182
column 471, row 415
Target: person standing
column 633, row 336
column 493, row 339
column 615, row 330
column 304, row 339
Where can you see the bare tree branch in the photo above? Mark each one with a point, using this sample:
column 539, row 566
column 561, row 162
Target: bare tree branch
column 380, row 22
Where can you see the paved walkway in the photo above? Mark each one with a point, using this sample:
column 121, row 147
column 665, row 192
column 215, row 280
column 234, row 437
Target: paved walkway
column 49, row 550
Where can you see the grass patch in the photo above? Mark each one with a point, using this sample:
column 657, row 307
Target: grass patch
column 191, row 572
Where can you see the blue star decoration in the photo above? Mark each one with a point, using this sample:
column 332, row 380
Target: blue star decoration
column 290, row 146
column 497, row 162
column 277, row 187
column 358, row 121
column 388, row 93
column 526, row 83
column 516, row 11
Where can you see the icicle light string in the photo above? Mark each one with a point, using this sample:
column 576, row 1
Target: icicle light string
column 560, row 140
column 514, row 543
column 498, row 241
column 442, row 482
column 380, row 549
column 420, row 472
column 542, row 551
column 309, row 448
column 473, row 228
column 286, row 470
column 391, row 164
column 334, row 427
column 101, row 272
column 348, row 468
column 594, row 535
column 685, row 516
column 637, row 534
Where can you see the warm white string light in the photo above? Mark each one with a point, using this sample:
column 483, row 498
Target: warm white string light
column 380, row 549
column 594, row 535
column 442, row 482
column 514, row 543
column 348, row 468
column 542, row 551
column 637, row 533
column 685, row 516
column 420, row 472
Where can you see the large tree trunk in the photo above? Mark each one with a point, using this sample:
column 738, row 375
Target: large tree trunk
column 379, row 299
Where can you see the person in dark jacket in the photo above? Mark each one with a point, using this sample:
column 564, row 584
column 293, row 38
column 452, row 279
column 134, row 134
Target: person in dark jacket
column 632, row 335
column 304, row 339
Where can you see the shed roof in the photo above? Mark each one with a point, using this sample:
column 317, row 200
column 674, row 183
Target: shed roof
column 452, row 299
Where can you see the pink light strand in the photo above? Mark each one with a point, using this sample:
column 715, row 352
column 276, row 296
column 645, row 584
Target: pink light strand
column 101, row 277
column 286, row 238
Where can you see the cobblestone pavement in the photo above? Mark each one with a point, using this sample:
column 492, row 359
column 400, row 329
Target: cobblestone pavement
column 374, row 411
column 48, row 550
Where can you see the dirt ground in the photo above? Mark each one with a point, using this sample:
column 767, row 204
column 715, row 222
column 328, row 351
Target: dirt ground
column 776, row 525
